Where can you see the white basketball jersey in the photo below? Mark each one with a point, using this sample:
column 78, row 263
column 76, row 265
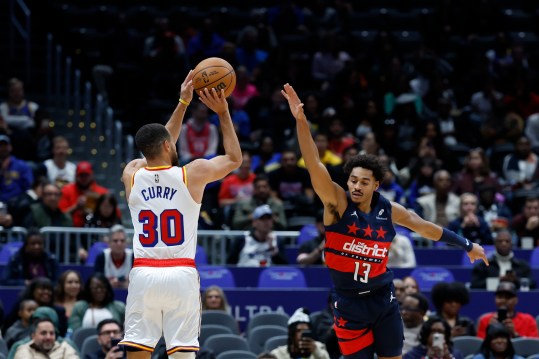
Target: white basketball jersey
column 164, row 215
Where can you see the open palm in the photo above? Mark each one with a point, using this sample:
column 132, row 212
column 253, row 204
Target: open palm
column 296, row 106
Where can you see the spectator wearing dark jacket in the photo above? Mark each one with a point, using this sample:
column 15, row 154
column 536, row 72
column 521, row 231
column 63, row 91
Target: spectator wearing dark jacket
column 31, row 261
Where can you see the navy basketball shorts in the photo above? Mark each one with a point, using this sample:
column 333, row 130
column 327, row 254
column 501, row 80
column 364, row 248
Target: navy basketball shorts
column 368, row 323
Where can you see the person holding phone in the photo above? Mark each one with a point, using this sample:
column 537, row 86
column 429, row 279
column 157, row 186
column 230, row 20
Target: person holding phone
column 109, row 334
column 518, row 323
column 300, row 339
column 434, row 342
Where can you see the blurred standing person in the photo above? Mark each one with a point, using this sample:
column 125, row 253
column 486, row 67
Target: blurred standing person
column 59, row 169
column 19, row 115
column 16, row 176
column 79, row 198
column 199, row 138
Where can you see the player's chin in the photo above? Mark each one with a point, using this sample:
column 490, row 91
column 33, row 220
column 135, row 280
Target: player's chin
column 356, row 197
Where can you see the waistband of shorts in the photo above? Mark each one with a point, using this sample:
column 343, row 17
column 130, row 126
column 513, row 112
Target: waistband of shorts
column 169, row 262
column 360, row 293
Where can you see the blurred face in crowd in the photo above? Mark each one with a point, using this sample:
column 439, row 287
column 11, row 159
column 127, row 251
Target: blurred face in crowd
column 410, row 285
column 98, row 291
column 289, row 160
column 245, row 168
column 34, row 246
column 523, row 147
column 44, row 336
column 60, row 149
column 442, row 181
column 503, row 243
column 399, row 289
column 214, row 300
column 468, row 203
column 531, row 208
column 412, row 316
column 72, row 285
column 499, row 345
column 43, row 295
column 28, row 308
column 117, row 243
column 108, row 331
column 16, row 92
column 51, row 196
column 262, row 190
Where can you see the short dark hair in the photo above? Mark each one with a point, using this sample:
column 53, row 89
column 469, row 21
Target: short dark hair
column 260, row 177
column 423, row 304
column 149, row 139
column 38, row 321
column 104, row 322
column 445, row 292
column 369, row 162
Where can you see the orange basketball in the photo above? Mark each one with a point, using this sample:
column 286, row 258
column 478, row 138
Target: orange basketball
column 214, row 72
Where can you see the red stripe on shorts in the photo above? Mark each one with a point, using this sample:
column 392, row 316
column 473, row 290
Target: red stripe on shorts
column 352, row 341
column 171, row 262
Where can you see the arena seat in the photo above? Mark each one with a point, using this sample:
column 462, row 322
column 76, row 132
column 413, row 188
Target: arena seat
column 427, row 277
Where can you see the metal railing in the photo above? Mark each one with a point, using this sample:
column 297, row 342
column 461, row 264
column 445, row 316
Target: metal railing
column 65, row 242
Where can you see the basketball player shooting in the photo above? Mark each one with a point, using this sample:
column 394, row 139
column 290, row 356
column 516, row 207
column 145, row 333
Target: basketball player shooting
column 164, row 201
column 359, row 231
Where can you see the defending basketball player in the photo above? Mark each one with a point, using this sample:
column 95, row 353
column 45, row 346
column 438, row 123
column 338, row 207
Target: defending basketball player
column 164, row 201
column 359, row 231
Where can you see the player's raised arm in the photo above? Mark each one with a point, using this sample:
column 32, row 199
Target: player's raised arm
column 218, row 167
column 323, row 185
column 432, row 231
column 174, row 124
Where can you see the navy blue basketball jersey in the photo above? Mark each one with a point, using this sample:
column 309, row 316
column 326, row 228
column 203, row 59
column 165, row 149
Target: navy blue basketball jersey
column 357, row 247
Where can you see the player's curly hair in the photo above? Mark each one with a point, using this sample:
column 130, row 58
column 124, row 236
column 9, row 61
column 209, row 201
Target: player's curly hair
column 369, row 162
column 149, row 139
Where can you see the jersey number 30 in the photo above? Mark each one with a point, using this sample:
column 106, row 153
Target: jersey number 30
column 366, row 268
column 170, row 224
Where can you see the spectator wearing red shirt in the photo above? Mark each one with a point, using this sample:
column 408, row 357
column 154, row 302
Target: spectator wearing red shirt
column 79, row 198
column 517, row 323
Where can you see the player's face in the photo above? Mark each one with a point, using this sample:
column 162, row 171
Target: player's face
column 361, row 185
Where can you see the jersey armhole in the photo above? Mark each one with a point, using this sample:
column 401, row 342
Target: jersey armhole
column 184, row 175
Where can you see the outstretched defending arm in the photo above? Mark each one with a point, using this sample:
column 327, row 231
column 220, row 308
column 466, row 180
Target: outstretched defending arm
column 174, row 124
column 323, row 185
column 434, row 232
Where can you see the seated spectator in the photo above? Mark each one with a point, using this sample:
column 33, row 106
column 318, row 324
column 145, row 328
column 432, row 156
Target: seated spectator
column 520, row 167
column 339, row 138
column 389, row 187
column 79, row 198
column 243, row 209
column 493, row 208
column 68, row 290
column 106, row 213
column 300, row 346
column 476, row 173
column 502, row 264
column 31, row 261
column 426, row 349
column 214, row 298
column 448, row 299
column 442, row 206
column 116, row 261
column 311, row 252
column 42, row 313
column 236, row 186
column 497, row 344
column 21, row 328
column 17, row 176
column 401, row 253
column 410, row 285
column 19, row 206
column 19, row 115
column 97, row 304
column 199, row 138
column 107, row 329
column 526, row 224
column 399, row 289
column 327, row 157
column 470, row 224
column 259, row 247
column 413, row 310
column 47, row 212
column 40, row 289
column 266, row 159
column 337, row 172
column 292, row 184
column 44, row 343
column 58, row 169
column 517, row 323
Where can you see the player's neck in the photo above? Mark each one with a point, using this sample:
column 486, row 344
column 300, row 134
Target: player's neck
column 159, row 162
